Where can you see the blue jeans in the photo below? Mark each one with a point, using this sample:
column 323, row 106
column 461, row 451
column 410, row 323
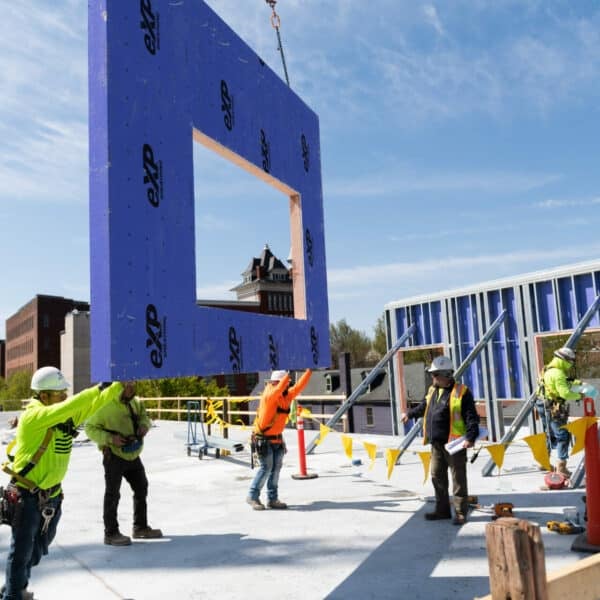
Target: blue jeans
column 270, row 466
column 561, row 437
column 28, row 544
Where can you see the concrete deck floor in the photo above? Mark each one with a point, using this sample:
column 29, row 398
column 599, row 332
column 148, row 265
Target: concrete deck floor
column 348, row 534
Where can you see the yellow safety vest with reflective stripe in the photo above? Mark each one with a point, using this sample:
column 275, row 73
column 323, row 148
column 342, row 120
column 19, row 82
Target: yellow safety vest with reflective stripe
column 457, row 424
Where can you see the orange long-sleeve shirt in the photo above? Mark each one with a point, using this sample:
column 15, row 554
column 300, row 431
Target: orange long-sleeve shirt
column 274, row 405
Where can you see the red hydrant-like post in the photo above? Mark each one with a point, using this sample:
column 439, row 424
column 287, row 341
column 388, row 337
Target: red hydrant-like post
column 592, row 476
column 590, row 540
column 301, row 449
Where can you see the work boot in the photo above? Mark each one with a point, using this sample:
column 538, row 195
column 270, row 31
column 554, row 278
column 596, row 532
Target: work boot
column 116, row 539
column 277, row 504
column 561, row 467
column 25, row 595
column 255, row 504
column 459, row 519
column 437, row 516
column 146, row 533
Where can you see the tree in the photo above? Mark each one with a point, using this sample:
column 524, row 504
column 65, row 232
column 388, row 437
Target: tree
column 342, row 338
column 379, row 341
column 16, row 388
column 179, row 386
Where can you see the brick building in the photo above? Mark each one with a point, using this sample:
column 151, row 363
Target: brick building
column 268, row 282
column 2, row 358
column 33, row 333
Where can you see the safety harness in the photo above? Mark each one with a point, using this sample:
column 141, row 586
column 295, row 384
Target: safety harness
column 43, row 496
column 133, row 441
column 20, row 476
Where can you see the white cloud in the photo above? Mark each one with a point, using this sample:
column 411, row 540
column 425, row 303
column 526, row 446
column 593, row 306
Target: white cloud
column 432, row 17
column 378, row 274
column 395, row 180
column 567, row 203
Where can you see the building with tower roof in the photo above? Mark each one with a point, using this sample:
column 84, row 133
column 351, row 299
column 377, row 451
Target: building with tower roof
column 267, row 281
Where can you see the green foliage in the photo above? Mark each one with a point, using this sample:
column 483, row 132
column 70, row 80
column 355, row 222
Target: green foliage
column 15, row 389
column 179, row 387
column 587, row 362
column 342, row 338
column 380, row 339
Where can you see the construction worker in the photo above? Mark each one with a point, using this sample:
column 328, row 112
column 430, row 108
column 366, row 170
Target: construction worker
column 267, row 438
column 119, row 430
column 557, row 393
column 449, row 411
column 43, row 443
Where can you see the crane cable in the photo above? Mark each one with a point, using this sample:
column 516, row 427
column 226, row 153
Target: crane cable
column 276, row 23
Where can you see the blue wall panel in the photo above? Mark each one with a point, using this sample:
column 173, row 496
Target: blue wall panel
column 466, row 316
column 161, row 75
column 437, row 336
column 545, row 299
column 498, row 347
column 585, row 295
column 417, row 317
column 515, row 372
column 566, row 297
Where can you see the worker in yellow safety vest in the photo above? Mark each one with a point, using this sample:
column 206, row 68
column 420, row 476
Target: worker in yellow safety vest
column 32, row 501
column 449, row 413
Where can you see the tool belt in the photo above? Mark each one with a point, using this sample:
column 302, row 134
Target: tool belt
column 11, row 505
column 259, row 443
column 558, row 410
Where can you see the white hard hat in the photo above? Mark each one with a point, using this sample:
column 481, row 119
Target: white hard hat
column 48, row 379
column 565, row 353
column 277, row 375
column 441, row 363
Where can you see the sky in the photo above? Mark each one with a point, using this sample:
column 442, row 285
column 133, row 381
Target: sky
column 459, row 144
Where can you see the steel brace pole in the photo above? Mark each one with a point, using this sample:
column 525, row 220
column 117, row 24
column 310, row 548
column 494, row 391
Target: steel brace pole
column 528, row 406
column 362, row 388
column 407, row 440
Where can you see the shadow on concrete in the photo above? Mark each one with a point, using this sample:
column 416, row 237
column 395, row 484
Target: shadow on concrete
column 192, row 552
column 404, row 566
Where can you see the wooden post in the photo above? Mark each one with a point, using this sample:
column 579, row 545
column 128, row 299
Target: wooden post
column 516, row 560
column 225, row 417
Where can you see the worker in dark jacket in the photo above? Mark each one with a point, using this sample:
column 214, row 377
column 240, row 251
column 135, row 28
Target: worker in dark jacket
column 449, row 411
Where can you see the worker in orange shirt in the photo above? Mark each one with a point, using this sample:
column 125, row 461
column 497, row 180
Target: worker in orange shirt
column 267, row 438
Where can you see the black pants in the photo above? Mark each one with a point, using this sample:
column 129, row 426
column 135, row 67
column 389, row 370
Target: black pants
column 115, row 468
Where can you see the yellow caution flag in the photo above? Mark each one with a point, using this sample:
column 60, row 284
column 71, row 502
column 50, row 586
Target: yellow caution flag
column 347, row 443
column 577, row 429
column 391, row 456
column 425, row 457
column 323, row 431
column 497, row 453
column 211, row 416
column 371, row 452
column 539, row 448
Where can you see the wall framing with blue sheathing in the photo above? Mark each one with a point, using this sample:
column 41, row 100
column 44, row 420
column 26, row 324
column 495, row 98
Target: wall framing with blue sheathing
column 163, row 75
column 545, row 302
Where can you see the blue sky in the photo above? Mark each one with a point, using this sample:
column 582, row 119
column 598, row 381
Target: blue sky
column 459, row 144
